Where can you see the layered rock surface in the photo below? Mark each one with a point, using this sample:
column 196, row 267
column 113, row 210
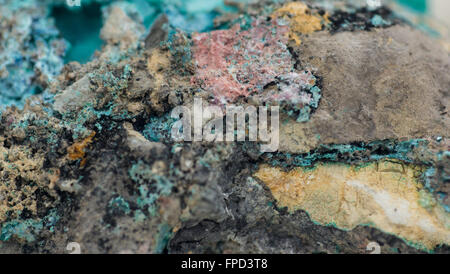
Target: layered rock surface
column 363, row 157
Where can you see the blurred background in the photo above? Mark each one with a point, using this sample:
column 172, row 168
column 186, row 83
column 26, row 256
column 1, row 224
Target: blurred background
column 438, row 9
column 432, row 16
column 37, row 37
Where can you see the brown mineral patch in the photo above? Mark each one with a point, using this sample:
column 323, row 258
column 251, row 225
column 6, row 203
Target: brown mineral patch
column 157, row 62
column 21, row 175
column 393, row 85
column 120, row 29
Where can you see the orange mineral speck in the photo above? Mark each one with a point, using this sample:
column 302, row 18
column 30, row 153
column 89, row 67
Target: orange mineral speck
column 76, row 151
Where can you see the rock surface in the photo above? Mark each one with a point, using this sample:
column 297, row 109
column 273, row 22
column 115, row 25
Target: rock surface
column 364, row 159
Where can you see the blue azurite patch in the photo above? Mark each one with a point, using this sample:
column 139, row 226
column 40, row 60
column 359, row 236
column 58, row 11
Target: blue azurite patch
column 163, row 237
column 378, row 21
column 158, row 129
column 119, row 204
column 31, row 51
column 151, row 186
column 364, row 152
column 28, row 229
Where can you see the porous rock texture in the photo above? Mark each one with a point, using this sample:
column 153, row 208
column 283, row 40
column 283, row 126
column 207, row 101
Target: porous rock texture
column 96, row 164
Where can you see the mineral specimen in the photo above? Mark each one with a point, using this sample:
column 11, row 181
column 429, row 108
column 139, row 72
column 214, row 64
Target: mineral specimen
column 87, row 156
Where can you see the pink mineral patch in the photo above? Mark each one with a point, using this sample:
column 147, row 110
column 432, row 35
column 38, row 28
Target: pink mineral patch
column 234, row 62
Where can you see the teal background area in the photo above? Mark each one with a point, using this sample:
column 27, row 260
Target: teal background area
column 416, row 5
column 81, row 27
